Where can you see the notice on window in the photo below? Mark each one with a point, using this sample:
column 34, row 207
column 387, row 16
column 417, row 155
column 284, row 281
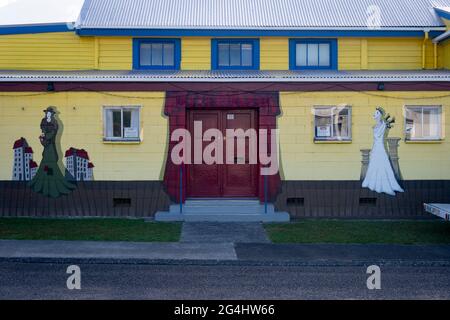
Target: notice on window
column 130, row 133
column 323, row 131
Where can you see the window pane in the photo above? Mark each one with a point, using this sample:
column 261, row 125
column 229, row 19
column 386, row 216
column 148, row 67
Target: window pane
column 301, row 52
column 146, row 54
column 431, row 123
column 117, row 124
column 131, row 123
column 324, row 55
column 313, row 55
column 413, row 123
column 157, row 53
column 342, row 124
column 323, row 123
column 235, row 54
column 224, row 54
column 169, row 54
column 332, row 123
column 126, row 119
column 247, row 56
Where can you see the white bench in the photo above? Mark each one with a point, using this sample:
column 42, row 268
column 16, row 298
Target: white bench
column 438, row 209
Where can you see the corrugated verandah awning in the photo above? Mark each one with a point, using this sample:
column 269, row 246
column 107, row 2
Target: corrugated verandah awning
column 225, row 76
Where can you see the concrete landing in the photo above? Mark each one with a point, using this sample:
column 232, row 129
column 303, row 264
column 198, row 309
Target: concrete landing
column 208, row 232
column 222, row 210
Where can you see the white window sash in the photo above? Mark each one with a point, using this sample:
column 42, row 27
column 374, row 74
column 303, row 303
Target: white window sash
column 333, row 112
column 109, row 127
column 437, row 115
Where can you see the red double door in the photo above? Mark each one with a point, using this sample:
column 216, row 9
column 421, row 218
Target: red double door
column 222, row 180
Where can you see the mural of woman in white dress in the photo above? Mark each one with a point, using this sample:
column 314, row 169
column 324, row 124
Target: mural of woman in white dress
column 380, row 176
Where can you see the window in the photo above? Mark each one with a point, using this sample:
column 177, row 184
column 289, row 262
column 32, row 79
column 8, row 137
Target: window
column 156, row 54
column 313, row 54
column 235, row 54
column 122, row 123
column 423, row 122
column 332, row 123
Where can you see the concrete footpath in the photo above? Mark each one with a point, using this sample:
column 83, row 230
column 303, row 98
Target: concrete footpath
column 226, row 253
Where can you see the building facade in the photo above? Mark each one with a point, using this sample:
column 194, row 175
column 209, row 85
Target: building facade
column 124, row 81
column 78, row 166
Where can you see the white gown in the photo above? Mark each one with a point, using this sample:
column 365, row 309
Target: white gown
column 380, row 175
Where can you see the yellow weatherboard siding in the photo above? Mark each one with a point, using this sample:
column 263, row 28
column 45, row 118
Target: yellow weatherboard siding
column 67, row 51
column 46, row 51
column 384, row 54
column 396, row 53
column 115, row 53
column 196, row 53
column 446, row 54
column 350, row 54
column 301, row 159
column 274, row 53
column 81, row 125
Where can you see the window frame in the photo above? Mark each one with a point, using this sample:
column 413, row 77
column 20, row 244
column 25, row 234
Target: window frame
column 293, row 53
column 215, row 53
column 333, row 139
column 441, row 125
column 137, row 53
column 122, row 138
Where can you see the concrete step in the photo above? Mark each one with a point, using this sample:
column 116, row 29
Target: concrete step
column 222, row 206
column 222, row 210
column 225, row 209
column 222, row 202
column 270, row 217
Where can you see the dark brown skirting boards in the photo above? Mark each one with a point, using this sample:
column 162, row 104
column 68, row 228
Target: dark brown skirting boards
column 302, row 199
column 90, row 199
column 346, row 199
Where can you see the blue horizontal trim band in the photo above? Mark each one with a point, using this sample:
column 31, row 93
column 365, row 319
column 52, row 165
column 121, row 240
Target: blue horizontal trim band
column 37, row 28
column 251, row 33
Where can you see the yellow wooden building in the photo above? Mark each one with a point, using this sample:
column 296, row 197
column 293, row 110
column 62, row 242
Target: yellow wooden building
column 128, row 73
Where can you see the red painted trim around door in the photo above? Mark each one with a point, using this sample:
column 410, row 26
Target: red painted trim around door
column 267, row 106
column 222, row 180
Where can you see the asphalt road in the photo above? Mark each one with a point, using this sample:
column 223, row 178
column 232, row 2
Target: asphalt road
column 114, row 281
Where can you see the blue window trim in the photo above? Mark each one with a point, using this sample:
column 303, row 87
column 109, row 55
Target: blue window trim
column 215, row 54
column 333, row 53
column 137, row 53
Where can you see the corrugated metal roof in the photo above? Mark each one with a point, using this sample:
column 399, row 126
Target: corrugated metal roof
column 257, row 14
column 224, row 76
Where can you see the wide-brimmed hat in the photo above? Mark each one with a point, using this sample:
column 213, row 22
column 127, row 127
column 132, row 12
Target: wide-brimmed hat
column 50, row 109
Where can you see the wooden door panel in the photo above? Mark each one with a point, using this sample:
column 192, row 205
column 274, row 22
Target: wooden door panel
column 222, row 180
column 204, row 180
column 239, row 180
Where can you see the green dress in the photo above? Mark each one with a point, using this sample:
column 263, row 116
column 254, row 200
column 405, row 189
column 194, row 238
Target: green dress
column 49, row 180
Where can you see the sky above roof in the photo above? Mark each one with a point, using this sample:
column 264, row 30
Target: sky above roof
column 13, row 12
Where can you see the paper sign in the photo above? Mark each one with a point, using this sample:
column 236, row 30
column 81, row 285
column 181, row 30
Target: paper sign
column 323, row 131
column 130, row 133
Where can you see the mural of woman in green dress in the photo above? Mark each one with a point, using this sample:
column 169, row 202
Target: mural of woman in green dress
column 49, row 180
